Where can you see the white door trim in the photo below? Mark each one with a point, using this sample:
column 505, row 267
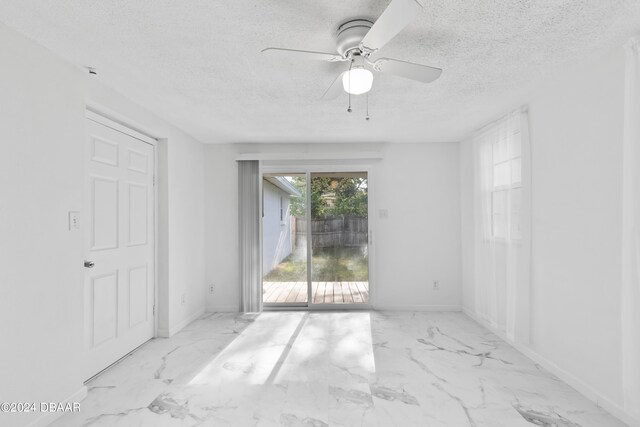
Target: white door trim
column 115, row 125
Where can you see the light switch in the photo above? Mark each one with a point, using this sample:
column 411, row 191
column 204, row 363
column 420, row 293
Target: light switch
column 383, row 213
column 74, row 220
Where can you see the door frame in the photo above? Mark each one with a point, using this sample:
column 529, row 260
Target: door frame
column 94, row 114
column 331, row 166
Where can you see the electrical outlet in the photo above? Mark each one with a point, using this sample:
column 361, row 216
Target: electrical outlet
column 436, row 285
column 212, row 289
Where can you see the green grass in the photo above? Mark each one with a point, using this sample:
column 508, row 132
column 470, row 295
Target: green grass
column 328, row 265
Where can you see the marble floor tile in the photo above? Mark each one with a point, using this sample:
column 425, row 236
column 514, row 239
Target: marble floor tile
column 332, row 369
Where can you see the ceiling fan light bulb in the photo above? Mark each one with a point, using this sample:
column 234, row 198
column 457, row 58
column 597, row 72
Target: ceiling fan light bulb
column 357, row 81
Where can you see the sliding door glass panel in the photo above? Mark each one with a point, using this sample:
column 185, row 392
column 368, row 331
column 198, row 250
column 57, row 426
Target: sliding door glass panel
column 284, row 242
column 339, row 238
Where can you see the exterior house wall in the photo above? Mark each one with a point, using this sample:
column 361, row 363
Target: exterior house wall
column 276, row 233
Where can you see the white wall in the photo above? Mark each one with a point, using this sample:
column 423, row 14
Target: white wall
column 576, row 132
column 42, row 174
column 418, row 184
column 186, row 234
column 276, row 233
column 221, row 232
column 467, row 225
column 576, row 124
column 41, row 180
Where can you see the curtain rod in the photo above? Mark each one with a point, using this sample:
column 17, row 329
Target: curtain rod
column 504, row 117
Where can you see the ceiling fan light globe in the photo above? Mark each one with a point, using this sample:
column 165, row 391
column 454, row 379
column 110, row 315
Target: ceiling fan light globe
column 357, row 81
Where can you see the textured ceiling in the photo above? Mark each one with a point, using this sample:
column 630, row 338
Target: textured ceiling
column 197, row 63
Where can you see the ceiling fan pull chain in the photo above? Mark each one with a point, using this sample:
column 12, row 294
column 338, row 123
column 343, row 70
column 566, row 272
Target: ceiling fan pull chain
column 367, row 118
column 349, row 74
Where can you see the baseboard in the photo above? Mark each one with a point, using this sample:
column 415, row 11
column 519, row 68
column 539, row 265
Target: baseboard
column 163, row 333
column 384, row 307
column 167, row 333
column 47, row 418
column 580, row 386
column 416, row 307
column 195, row 316
column 223, row 309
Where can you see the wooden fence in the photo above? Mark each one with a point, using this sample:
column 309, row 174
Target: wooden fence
column 332, row 232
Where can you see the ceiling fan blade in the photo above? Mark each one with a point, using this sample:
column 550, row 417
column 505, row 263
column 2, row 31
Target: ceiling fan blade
column 393, row 20
column 303, row 54
column 335, row 89
column 409, row 70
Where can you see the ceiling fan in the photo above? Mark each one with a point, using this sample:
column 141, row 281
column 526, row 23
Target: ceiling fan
column 357, row 41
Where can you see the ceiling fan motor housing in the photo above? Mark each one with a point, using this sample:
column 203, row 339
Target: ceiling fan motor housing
column 350, row 34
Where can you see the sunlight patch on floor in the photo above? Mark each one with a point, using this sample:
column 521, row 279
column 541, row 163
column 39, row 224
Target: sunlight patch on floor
column 278, row 348
column 252, row 356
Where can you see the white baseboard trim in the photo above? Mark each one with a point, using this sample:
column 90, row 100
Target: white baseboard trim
column 416, row 307
column 47, row 418
column 177, row 328
column 167, row 333
column 583, row 388
column 223, row 309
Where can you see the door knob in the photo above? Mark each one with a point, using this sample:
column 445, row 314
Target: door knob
column 89, row 264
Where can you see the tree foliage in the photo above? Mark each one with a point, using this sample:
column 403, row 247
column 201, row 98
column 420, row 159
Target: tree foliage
column 331, row 197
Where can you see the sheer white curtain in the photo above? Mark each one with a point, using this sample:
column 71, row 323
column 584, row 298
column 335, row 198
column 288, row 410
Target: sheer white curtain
column 249, row 223
column 502, row 216
column 630, row 294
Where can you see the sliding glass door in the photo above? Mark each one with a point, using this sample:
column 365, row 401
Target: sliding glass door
column 284, row 247
column 339, row 238
column 315, row 239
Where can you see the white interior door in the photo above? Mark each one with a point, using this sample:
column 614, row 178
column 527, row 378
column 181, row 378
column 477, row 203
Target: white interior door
column 119, row 245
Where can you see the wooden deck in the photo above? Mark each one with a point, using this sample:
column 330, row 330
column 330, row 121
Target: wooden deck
column 322, row 292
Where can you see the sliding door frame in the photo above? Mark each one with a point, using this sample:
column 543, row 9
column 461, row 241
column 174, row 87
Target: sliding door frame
column 287, row 167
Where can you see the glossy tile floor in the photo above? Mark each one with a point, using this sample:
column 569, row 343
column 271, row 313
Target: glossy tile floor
column 335, row 369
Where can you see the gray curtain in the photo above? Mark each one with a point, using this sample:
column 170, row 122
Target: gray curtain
column 249, row 225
